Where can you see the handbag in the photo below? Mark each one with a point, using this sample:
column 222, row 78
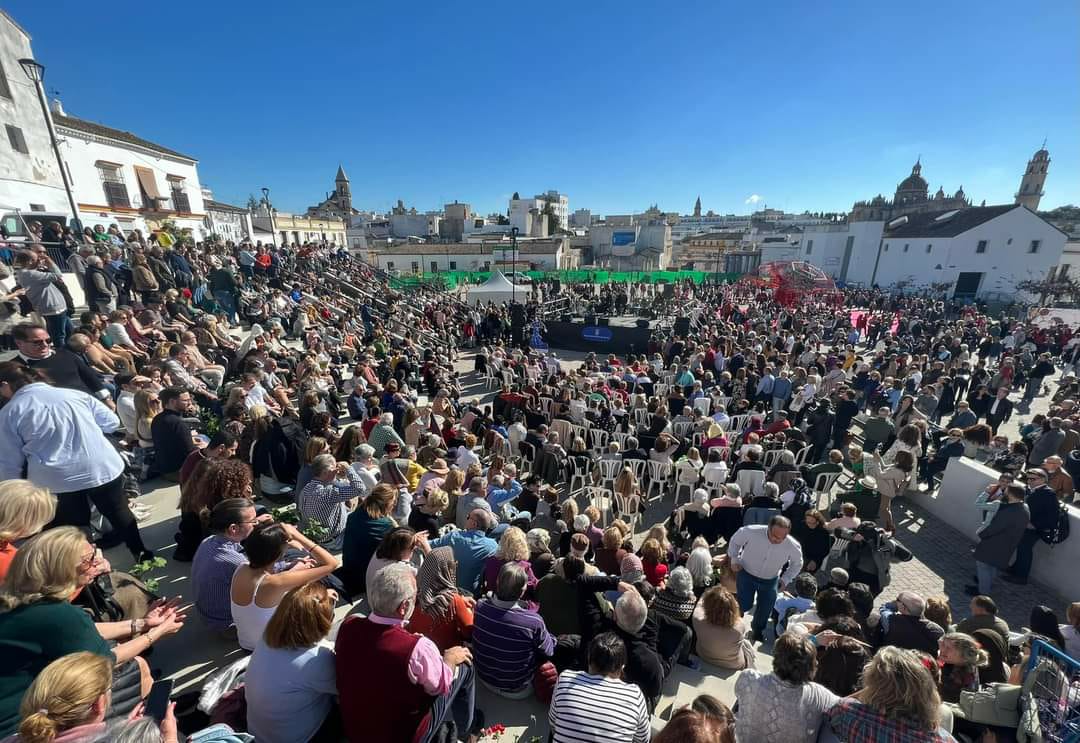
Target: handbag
column 995, row 704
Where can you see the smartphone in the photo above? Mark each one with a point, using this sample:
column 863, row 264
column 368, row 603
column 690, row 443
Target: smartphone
column 156, row 703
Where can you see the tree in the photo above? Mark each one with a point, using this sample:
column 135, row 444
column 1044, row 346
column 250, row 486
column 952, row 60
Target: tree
column 1058, row 289
column 553, row 218
column 253, row 203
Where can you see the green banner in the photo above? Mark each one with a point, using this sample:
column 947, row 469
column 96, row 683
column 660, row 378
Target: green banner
column 453, row 279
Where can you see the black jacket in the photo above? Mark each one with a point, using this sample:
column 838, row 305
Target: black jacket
column 67, row 369
column 1042, row 502
column 643, row 665
column 172, row 441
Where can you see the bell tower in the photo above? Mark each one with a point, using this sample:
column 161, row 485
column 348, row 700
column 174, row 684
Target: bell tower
column 1031, row 185
column 344, row 195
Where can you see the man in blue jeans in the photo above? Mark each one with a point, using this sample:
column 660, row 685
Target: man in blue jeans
column 758, row 554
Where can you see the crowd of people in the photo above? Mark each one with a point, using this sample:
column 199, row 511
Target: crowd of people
column 329, row 453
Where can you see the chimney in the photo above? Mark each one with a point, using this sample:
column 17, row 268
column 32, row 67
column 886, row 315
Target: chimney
column 58, row 107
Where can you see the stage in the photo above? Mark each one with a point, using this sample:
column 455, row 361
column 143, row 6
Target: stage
column 619, row 335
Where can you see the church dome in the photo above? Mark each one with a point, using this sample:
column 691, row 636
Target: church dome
column 915, row 181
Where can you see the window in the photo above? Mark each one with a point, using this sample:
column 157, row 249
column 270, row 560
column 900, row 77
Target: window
column 17, row 140
column 929, row 247
column 389, row 265
column 5, row 91
column 453, row 265
column 981, row 247
column 180, row 200
column 1034, row 246
column 41, row 208
column 434, row 266
column 1009, row 241
column 886, row 247
column 906, row 246
column 416, row 266
column 487, row 265
column 112, row 182
column 809, row 246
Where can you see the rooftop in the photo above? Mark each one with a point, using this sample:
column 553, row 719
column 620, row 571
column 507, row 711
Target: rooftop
column 117, row 135
column 941, row 224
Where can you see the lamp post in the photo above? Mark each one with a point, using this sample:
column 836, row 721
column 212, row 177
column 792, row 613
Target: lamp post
column 270, row 214
column 513, row 247
column 35, row 71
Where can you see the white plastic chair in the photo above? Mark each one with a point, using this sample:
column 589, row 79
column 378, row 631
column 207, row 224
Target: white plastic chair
column 725, row 452
column 823, row 485
column 802, row 456
column 661, row 390
column 771, row 457
column 609, row 470
column 639, row 466
column 738, row 423
column 547, row 407
column 628, row 508
column 751, row 482
column 598, row 440
column 659, row 476
column 697, row 439
column 578, row 432
column 681, row 429
column 621, row 438
column 641, row 416
column 702, row 405
column 714, row 481
column 580, row 474
column 600, row 497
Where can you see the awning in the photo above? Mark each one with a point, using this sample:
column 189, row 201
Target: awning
column 148, row 182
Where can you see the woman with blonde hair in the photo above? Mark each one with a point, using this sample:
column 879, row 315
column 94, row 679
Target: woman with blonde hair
column 25, row 509
column 610, row 553
column 513, row 547
column 898, row 700
column 291, row 682
column 38, row 622
column 627, row 489
column 147, row 406
column 67, row 701
column 721, row 630
column 960, row 658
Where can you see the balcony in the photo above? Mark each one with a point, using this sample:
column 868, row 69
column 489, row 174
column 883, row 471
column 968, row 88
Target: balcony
column 181, row 203
column 116, row 195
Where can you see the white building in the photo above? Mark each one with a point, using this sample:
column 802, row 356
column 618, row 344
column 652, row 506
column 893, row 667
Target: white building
column 228, row 222
column 120, row 177
column 412, row 258
column 982, row 252
column 525, row 214
column 689, row 225
column 29, row 175
column 581, row 218
column 637, row 247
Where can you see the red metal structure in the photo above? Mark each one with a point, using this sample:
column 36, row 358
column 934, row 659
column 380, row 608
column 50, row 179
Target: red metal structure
column 795, row 282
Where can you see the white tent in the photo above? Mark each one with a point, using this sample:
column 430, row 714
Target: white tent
column 498, row 289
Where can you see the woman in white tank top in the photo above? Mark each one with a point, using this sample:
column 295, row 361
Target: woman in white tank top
column 257, row 589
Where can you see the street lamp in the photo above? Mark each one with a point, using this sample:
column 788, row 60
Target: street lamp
column 35, row 71
column 270, row 215
column 513, row 282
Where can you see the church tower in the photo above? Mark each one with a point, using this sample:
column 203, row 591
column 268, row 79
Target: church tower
column 697, row 207
column 344, row 195
column 1031, row 185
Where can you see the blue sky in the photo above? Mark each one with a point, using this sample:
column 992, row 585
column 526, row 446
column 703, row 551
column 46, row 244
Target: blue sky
column 617, row 104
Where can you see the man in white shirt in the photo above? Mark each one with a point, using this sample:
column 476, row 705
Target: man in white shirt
column 758, row 554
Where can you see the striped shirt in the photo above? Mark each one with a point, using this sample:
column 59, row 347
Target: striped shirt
column 324, row 502
column 509, row 643
column 596, row 709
